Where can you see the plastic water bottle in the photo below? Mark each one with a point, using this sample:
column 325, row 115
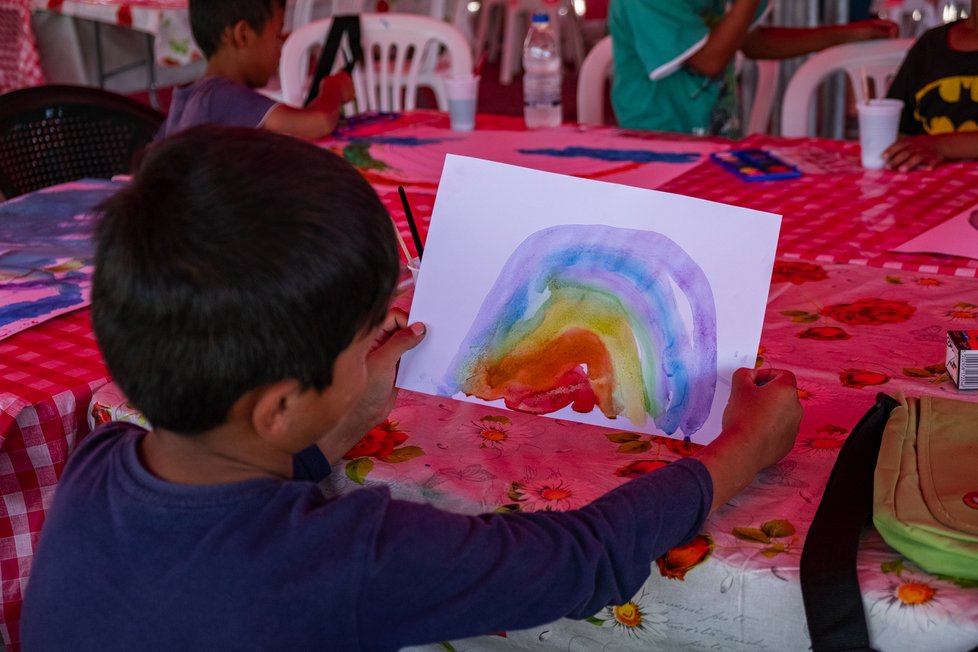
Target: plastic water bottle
column 541, row 75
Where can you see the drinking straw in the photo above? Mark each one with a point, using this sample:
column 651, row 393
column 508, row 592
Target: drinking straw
column 400, row 241
column 865, row 80
column 478, row 66
column 410, row 218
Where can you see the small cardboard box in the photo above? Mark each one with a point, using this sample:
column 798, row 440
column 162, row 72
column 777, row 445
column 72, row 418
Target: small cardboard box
column 962, row 358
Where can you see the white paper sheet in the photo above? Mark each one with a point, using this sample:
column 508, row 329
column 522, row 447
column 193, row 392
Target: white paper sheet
column 638, row 297
column 956, row 237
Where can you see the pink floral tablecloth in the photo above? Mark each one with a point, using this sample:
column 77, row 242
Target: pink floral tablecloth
column 846, row 330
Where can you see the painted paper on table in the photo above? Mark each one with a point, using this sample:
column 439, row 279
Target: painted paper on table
column 414, row 159
column 46, row 252
column 956, row 237
column 588, row 301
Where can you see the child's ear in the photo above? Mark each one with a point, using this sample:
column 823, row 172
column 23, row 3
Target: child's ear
column 274, row 409
column 240, row 34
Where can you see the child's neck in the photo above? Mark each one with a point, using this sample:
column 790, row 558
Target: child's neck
column 226, row 454
column 224, row 64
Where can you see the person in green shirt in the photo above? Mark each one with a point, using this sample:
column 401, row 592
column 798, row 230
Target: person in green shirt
column 674, row 58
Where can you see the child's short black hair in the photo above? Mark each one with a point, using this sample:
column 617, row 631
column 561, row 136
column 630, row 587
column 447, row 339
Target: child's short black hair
column 210, row 18
column 235, row 258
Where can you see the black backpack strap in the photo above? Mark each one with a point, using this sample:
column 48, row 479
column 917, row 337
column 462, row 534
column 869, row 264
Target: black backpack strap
column 349, row 25
column 829, row 584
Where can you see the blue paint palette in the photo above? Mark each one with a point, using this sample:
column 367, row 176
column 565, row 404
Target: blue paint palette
column 755, row 165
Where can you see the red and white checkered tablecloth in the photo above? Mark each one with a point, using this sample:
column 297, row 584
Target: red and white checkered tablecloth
column 20, row 65
column 47, row 377
column 836, row 212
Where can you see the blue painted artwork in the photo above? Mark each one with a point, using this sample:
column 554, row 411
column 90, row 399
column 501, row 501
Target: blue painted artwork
column 46, row 252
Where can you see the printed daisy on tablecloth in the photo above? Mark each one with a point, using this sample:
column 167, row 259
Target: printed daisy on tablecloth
column 536, row 492
column 827, row 440
column 962, row 312
column 635, row 617
column 813, row 394
column 913, row 599
column 499, row 432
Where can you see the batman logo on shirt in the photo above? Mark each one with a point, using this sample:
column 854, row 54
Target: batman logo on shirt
column 948, row 105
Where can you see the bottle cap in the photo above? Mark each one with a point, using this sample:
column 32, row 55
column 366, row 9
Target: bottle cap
column 540, row 17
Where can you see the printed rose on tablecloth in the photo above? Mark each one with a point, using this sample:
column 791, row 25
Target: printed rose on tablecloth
column 639, row 467
column 797, row 273
column 870, row 312
column 381, row 444
column 681, row 559
column 859, row 378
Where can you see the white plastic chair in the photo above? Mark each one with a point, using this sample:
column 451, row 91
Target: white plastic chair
column 394, row 47
column 596, row 69
column 302, row 11
column 875, row 61
column 758, row 118
column 563, row 20
column 598, row 66
column 913, row 16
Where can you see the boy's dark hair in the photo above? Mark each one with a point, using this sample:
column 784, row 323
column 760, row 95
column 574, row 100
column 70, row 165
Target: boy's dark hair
column 210, row 18
column 235, row 258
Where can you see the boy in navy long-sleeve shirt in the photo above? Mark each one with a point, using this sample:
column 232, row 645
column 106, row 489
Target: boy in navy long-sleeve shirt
column 241, row 300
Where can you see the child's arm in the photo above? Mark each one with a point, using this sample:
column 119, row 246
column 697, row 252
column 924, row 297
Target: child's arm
column 725, row 39
column 734, row 33
column 760, row 423
column 320, row 117
column 927, row 152
column 787, row 42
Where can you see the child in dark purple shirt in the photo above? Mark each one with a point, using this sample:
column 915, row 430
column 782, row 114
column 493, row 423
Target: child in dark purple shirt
column 247, row 341
column 242, row 40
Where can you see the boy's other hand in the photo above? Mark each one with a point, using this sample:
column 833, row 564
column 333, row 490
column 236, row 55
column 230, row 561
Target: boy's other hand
column 914, row 152
column 764, row 406
column 394, row 338
column 760, row 424
column 344, row 86
column 334, row 91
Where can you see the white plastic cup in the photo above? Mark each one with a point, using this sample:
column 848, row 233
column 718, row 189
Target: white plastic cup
column 879, row 123
column 463, row 94
column 414, row 266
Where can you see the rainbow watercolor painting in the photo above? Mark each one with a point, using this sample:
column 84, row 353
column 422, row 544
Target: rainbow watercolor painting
column 581, row 316
column 588, row 301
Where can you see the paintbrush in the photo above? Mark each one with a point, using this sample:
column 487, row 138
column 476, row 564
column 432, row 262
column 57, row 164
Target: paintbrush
column 410, row 218
column 400, row 241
